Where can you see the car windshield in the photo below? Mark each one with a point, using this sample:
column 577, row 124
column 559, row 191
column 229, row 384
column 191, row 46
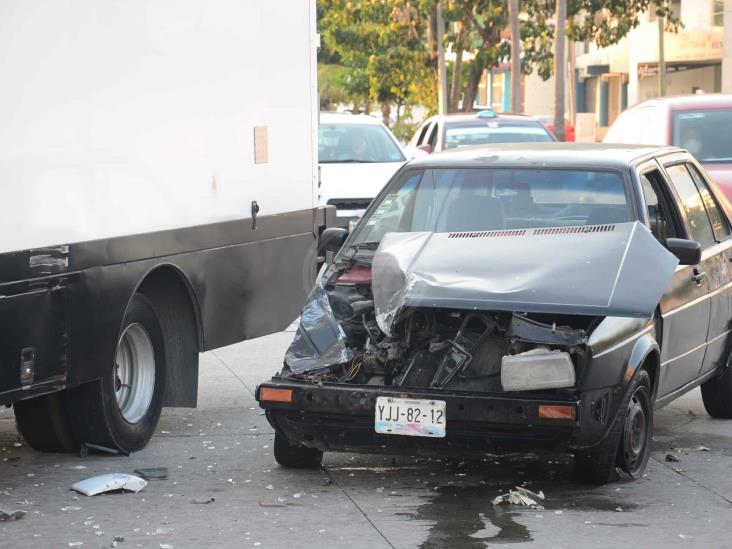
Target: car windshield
column 470, row 199
column 705, row 134
column 356, row 143
column 486, row 133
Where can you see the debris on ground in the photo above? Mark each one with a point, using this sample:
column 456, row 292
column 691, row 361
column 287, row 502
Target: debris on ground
column 619, row 509
column 520, row 496
column 86, row 446
column 700, row 448
column 672, row 458
column 12, row 515
column 111, row 482
column 202, row 501
column 153, row 473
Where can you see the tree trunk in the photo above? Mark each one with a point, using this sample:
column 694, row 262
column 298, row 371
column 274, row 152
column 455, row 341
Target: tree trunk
column 513, row 12
column 471, row 89
column 457, row 80
column 386, row 114
column 560, row 66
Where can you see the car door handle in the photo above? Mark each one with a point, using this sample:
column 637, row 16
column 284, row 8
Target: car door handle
column 698, row 276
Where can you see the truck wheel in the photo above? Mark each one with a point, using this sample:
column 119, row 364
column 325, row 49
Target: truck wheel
column 295, row 457
column 121, row 410
column 43, row 424
column 627, row 445
column 717, row 395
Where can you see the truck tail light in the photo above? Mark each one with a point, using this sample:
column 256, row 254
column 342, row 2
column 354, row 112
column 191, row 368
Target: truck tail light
column 557, row 411
column 271, row 394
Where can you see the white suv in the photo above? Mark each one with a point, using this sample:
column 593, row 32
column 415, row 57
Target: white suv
column 357, row 155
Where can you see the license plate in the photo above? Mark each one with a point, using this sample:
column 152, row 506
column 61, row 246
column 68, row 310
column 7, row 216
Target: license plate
column 410, row 417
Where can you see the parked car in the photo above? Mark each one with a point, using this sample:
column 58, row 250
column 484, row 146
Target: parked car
column 548, row 121
column 485, row 127
column 702, row 124
column 357, row 155
column 530, row 298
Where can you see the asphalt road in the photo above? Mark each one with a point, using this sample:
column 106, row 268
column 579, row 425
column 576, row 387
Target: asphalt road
column 223, row 451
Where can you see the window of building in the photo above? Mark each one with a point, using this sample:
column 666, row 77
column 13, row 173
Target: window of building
column 497, row 87
column 718, row 13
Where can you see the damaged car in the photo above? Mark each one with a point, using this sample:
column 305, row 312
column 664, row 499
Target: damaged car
column 523, row 298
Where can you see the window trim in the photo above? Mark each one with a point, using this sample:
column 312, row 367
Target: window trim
column 667, row 198
column 682, row 160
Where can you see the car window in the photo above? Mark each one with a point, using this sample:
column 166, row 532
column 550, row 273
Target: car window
column 691, row 201
column 716, row 216
column 432, row 140
column 707, row 134
column 485, row 133
column 464, row 199
column 423, row 133
column 343, row 143
column 662, row 216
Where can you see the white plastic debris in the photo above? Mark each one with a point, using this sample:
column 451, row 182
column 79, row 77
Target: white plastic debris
column 12, row 515
column 109, row 483
column 519, row 496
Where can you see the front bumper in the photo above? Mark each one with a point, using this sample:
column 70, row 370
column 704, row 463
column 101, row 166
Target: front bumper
column 335, row 417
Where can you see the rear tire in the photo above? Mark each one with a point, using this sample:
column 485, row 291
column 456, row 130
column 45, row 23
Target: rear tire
column 295, row 457
column 627, row 445
column 121, row 410
column 43, row 423
column 717, row 395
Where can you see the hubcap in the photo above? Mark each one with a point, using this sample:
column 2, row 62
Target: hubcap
column 635, row 437
column 134, row 373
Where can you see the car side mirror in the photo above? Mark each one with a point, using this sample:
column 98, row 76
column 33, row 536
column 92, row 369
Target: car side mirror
column 688, row 251
column 426, row 148
column 331, row 240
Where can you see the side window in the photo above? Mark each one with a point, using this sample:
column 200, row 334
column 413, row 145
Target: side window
column 423, row 133
column 691, row 200
column 716, row 216
column 662, row 216
column 432, row 140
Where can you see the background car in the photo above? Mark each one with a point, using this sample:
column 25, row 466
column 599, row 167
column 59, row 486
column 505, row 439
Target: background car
column 486, row 127
column 357, row 155
column 548, row 121
column 701, row 124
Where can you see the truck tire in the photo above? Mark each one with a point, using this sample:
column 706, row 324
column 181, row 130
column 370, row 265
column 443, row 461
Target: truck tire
column 295, row 457
column 43, row 423
column 121, row 410
column 717, row 395
column 627, row 445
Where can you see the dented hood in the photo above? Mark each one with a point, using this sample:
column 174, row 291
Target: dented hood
column 604, row 270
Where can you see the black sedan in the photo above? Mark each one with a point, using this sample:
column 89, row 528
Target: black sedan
column 530, row 296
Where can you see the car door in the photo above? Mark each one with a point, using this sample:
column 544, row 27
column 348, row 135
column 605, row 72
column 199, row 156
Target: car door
column 685, row 306
column 720, row 280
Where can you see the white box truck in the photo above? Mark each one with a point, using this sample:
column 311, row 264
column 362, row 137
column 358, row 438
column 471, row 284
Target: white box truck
column 158, row 175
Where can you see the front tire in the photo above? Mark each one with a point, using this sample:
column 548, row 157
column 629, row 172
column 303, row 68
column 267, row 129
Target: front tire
column 295, row 457
column 627, row 445
column 121, row 410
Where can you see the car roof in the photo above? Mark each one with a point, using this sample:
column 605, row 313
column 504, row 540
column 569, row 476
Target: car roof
column 549, row 155
column 348, row 118
column 472, row 117
column 690, row 102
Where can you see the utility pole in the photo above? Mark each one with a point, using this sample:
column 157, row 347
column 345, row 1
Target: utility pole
column 513, row 13
column 441, row 70
column 560, row 69
column 661, row 57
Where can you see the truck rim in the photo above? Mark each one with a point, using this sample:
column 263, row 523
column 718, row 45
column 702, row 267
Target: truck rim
column 134, row 374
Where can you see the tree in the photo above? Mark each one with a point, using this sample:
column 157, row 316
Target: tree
column 382, row 45
column 515, row 23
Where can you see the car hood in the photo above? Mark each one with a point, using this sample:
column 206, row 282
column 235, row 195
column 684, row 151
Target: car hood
column 354, row 180
column 721, row 174
column 602, row 270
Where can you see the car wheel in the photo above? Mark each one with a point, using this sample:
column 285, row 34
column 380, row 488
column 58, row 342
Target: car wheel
column 296, row 457
column 627, row 445
column 717, row 395
column 122, row 409
column 43, row 423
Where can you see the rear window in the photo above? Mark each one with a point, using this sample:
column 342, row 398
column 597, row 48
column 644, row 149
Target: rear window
column 452, row 200
column 707, row 134
column 486, row 133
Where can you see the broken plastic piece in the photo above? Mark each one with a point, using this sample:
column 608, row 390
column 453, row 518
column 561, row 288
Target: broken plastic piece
column 519, row 496
column 12, row 515
column 109, row 483
column 672, row 458
column 203, row 501
column 153, row 473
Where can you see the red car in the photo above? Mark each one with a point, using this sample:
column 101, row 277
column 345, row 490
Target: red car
column 548, row 122
column 702, row 124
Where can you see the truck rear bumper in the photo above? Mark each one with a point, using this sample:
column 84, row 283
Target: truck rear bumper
column 341, row 418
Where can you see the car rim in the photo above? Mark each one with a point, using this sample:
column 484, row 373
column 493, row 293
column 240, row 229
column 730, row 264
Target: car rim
column 635, row 439
column 134, row 373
